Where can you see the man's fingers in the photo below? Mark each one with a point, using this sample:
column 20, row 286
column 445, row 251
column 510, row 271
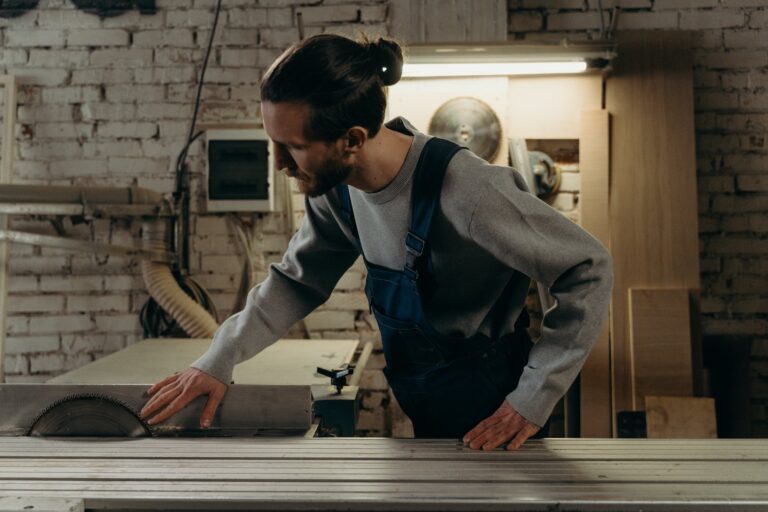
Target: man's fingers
column 172, row 408
column 499, row 437
column 151, row 391
column 482, row 427
column 159, row 401
column 484, row 437
column 175, row 392
column 214, row 399
column 522, row 436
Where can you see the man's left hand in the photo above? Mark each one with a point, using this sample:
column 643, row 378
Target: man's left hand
column 503, row 425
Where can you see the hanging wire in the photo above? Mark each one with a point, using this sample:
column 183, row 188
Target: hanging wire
column 190, row 137
column 614, row 20
column 155, row 321
column 602, row 21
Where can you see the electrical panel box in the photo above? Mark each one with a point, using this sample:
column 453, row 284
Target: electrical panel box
column 240, row 171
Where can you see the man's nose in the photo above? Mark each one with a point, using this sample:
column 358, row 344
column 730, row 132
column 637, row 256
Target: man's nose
column 284, row 160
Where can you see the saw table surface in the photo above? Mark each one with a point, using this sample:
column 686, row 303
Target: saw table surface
column 366, row 474
column 285, row 362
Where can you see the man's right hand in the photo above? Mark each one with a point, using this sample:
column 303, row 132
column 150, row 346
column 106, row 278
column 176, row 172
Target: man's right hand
column 173, row 393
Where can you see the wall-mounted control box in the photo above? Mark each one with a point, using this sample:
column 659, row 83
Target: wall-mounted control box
column 240, row 171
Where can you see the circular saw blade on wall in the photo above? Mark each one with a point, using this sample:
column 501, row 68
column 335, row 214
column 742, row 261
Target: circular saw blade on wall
column 468, row 122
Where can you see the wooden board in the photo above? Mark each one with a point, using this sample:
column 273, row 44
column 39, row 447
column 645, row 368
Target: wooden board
column 440, row 21
column 286, row 362
column 660, row 341
column 366, row 474
column 653, row 209
column 594, row 161
column 550, row 107
column 680, row 417
column 18, row 504
column 7, row 139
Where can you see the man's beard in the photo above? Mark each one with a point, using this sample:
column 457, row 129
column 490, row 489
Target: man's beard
column 324, row 179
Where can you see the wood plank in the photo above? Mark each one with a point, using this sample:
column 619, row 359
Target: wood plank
column 448, row 21
column 437, row 492
column 653, row 209
column 459, row 470
column 268, row 448
column 17, row 504
column 566, row 97
column 594, row 161
column 286, row 362
column 660, row 342
column 7, row 141
column 680, row 417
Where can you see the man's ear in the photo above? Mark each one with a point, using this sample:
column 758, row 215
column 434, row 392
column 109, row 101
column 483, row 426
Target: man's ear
column 355, row 139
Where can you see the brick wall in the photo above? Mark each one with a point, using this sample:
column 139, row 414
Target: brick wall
column 108, row 102
column 730, row 78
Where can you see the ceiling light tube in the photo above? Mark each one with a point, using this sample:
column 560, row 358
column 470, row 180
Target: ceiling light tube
column 424, row 70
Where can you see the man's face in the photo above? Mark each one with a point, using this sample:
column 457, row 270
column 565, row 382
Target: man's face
column 317, row 166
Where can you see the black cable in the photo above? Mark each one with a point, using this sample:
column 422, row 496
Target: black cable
column 155, row 321
column 602, row 20
column 201, row 80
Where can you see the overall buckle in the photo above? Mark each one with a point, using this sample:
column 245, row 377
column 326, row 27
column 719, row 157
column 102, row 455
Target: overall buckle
column 414, row 248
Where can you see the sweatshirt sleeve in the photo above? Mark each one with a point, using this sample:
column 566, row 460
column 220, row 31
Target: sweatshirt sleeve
column 528, row 235
column 317, row 256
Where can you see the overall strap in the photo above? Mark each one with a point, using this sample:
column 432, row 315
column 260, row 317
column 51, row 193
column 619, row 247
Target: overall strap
column 425, row 195
column 346, row 208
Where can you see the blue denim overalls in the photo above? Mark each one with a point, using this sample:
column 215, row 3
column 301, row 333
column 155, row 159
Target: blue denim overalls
column 446, row 385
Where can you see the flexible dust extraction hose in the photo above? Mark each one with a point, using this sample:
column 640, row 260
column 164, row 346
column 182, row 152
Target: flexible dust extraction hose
column 162, row 286
column 158, row 277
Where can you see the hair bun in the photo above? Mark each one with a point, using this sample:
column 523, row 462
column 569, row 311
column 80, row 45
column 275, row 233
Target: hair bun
column 388, row 58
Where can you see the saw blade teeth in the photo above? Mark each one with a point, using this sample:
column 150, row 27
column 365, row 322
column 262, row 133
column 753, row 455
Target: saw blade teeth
column 120, row 408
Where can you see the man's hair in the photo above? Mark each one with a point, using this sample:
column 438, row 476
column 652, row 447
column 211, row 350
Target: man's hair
column 342, row 81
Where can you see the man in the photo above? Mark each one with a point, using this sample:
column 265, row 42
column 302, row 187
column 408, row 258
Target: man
column 450, row 243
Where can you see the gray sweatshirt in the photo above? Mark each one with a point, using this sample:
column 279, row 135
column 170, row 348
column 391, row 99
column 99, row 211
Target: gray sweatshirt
column 489, row 236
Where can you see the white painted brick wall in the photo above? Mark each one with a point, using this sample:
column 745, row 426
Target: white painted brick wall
column 98, row 37
column 34, row 38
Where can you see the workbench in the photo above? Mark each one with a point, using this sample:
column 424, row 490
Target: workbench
column 377, row 474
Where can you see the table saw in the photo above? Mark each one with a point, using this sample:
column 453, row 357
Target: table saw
column 263, row 452
column 278, row 392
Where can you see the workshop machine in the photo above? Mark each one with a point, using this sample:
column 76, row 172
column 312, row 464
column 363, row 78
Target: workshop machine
column 292, row 388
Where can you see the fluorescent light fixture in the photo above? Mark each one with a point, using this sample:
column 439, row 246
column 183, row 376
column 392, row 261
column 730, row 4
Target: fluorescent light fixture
column 505, row 59
column 492, row 68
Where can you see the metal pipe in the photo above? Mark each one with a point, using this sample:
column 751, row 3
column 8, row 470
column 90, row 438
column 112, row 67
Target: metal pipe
column 96, row 211
column 70, row 244
column 7, row 152
column 78, row 195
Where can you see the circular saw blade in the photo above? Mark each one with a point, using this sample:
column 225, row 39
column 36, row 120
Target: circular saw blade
column 469, row 122
column 89, row 415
